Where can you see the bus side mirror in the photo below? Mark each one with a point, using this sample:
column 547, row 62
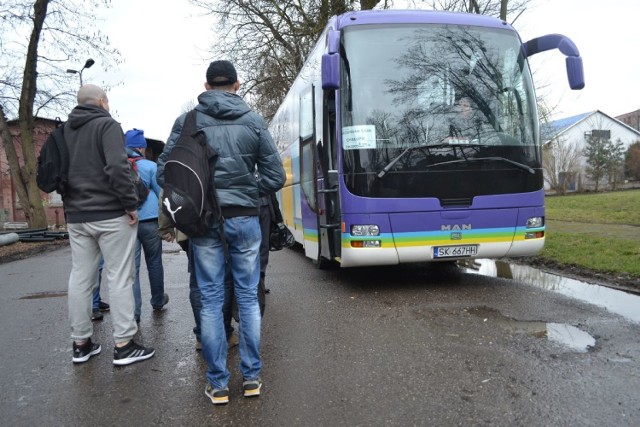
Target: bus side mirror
column 575, row 72
column 333, row 41
column 330, row 71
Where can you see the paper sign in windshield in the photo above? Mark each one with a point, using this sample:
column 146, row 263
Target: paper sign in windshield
column 359, row 137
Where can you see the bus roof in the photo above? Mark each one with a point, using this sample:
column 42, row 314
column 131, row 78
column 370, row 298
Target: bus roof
column 397, row 16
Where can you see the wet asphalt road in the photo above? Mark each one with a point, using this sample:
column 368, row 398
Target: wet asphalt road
column 412, row 345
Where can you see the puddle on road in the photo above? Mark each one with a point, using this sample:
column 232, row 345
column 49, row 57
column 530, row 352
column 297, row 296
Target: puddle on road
column 561, row 333
column 618, row 302
column 570, row 336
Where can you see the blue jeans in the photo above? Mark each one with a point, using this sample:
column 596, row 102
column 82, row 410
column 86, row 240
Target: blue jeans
column 243, row 237
column 96, row 293
column 150, row 241
column 196, row 302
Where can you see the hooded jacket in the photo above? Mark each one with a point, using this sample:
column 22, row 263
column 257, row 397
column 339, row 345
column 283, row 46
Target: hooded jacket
column 147, row 171
column 100, row 185
column 242, row 141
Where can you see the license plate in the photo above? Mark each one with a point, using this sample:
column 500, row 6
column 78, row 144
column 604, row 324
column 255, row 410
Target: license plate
column 455, row 251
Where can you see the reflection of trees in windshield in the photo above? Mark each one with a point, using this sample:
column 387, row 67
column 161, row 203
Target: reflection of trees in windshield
column 445, row 65
column 411, row 85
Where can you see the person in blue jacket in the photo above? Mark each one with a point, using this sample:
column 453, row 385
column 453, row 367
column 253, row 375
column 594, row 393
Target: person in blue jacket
column 148, row 239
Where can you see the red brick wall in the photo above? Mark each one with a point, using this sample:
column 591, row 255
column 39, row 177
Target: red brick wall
column 10, row 210
column 631, row 119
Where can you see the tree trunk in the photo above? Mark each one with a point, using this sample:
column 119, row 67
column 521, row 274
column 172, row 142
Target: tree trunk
column 24, row 177
column 368, row 4
column 503, row 9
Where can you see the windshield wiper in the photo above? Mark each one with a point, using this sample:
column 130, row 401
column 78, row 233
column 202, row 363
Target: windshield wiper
column 388, row 167
column 482, row 159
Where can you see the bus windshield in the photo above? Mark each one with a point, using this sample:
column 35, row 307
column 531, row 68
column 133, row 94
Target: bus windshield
column 423, row 101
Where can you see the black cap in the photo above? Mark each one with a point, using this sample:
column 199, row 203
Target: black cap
column 221, row 73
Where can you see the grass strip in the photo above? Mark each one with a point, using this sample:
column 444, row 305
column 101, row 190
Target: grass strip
column 613, row 255
column 619, row 207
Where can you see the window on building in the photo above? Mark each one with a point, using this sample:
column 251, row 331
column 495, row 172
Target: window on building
column 598, row 133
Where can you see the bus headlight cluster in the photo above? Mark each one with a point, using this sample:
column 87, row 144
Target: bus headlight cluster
column 365, row 230
column 535, row 222
column 366, row 244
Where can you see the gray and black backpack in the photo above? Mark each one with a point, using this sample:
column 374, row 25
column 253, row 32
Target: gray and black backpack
column 189, row 199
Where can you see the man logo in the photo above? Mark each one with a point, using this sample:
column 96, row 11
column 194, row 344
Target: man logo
column 455, row 227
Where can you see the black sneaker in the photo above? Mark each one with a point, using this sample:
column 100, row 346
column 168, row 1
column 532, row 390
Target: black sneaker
column 218, row 396
column 131, row 353
column 96, row 314
column 252, row 388
column 103, row 306
column 82, row 353
column 165, row 302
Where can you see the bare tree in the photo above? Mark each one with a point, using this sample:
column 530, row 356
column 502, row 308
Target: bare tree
column 561, row 163
column 188, row 106
column 43, row 35
column 507, row 10
column 269, row 40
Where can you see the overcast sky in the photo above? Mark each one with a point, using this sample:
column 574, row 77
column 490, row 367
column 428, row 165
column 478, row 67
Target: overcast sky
column 165, row 45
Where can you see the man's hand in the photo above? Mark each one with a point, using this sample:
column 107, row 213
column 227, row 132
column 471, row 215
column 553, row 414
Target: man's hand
column 133, row 217
column 167, row 236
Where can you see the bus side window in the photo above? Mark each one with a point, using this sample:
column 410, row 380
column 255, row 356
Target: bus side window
column 308, row 172
column 329, row 148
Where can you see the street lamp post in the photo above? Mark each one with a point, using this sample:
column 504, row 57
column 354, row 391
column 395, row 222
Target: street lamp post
column 87, row 64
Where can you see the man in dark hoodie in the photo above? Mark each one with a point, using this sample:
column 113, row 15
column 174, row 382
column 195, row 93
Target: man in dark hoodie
column 100, row 207
column 241, row 138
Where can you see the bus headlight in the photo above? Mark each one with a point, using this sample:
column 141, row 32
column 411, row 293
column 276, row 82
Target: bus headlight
column 535, row 222
column 365, row 230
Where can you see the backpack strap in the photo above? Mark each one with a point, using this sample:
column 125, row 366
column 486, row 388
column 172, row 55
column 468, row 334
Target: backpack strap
column 189, row 125
column 134, row 162
column 63, row 149
column 189, row 128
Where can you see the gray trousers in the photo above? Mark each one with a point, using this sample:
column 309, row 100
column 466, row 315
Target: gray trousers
column 114, row 239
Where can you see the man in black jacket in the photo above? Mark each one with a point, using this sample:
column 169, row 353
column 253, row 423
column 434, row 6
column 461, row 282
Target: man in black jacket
column 100, row 205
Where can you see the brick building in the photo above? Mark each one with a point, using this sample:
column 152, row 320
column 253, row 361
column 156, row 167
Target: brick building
column 631, row 119
column 10, row 210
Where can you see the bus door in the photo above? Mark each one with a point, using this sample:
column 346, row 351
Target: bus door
column 319, row 178
column 328, row 197
column 308, row 176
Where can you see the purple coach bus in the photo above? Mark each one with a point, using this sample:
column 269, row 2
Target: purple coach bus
column 412, row 136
